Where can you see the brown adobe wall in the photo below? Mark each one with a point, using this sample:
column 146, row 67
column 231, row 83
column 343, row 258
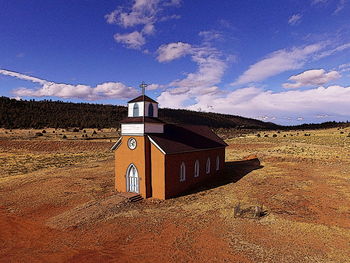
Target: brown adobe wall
column 158, row 173
column 173, row 162
column 124, row 157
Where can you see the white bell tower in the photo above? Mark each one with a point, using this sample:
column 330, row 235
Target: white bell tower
column 142, row 116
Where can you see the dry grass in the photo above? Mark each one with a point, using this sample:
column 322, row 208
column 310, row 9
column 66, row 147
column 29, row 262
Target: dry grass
column 304, row 185
column 22, row 152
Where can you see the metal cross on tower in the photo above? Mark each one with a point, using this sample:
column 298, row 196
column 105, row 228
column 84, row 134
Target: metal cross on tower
column 143, row 86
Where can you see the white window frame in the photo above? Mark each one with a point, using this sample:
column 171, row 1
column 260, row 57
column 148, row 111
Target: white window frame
column 196, row 168
column 182, row 172
column 217, row 163
column 207, row 166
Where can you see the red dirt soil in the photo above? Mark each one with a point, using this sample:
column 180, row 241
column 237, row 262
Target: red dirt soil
column 72, row 214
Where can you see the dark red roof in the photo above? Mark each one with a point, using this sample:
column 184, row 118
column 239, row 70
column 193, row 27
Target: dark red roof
column 140, row 120
column 142, row 98
column 186, row 138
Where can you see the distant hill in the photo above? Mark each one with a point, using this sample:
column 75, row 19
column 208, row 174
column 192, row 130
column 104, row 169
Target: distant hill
column 58, row 114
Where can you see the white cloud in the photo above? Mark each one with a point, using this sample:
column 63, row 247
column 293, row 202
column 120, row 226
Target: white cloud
column 132, row 40
column 148, row 29
column 344, row 67
column 172, row 3
column 278, row 62
column 142, row 12
column 322, row 116
column 21, row 76
column 295, row 19
column 210, row 35
column 332, row 51
column 107, row 90
column 168, row 100
column 145, row 13
column 340, row 6
column 210, row 70
column 155, row 87
column 254, row 102
column 314, row 77
column 211, row 67
column 173, row 51
column 166, row 18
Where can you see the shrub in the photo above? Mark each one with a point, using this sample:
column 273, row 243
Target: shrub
column 258, row 135
column 64, row 137
column 94, row 132
column 275, row 135
column 75, row 130
column 254, row 212
column 39, row 134
column 266, row 135
column 43, row 131
column 341, row 132
column 284, row 135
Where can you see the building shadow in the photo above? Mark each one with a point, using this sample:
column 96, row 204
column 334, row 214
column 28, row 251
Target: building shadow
column 232, row 173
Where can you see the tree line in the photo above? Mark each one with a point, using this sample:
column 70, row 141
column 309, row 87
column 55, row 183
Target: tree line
column 58, row 114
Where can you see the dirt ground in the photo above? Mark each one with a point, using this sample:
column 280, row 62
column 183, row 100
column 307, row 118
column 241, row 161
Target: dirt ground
column 58, row 204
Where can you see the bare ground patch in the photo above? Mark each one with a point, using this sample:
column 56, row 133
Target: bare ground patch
column 71, row 214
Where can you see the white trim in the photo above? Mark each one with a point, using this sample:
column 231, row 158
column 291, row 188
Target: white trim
column 132, row 134
column 155, row 144
column 116, row 145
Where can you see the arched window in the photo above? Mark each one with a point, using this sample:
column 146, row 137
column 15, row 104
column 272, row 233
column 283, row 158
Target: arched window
column 150, row 110
column 136, row 110
column 196, row 169
column 182, row 172
column 207, row 167
column 217, row 163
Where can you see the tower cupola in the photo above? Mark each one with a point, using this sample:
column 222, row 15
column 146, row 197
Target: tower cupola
column 142, row 116
column 143, row 106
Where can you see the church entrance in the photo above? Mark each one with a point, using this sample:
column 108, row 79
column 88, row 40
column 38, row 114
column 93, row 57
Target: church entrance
column 132, row 179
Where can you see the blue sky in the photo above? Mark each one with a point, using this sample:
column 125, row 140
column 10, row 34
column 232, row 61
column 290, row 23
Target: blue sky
column 282, row 61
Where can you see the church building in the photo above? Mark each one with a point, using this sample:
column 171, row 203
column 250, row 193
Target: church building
column 161, row 160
